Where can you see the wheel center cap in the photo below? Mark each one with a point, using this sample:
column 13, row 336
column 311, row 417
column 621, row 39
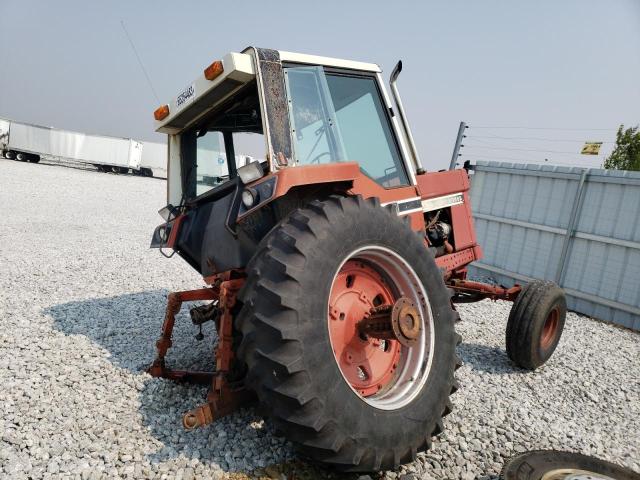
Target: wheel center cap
column 406, row 322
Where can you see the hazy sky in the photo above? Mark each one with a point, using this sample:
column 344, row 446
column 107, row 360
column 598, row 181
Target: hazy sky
column 557, row 64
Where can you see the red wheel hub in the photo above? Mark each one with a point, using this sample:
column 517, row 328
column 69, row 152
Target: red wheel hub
column 368, row 364
column 550, row 329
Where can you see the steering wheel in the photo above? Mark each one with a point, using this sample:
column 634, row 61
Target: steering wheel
column 317, row 158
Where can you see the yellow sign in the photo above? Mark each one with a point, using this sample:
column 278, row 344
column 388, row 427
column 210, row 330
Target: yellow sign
column 591, row 148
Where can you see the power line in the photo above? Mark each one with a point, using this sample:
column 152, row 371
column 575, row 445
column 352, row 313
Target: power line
column 530, row 138
column 544, row 128
column 140, row 61
column 484, row 142
column 521, row 149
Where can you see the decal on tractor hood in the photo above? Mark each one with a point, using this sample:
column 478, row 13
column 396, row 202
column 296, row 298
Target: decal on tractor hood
column 406, row 206
column 442, row 202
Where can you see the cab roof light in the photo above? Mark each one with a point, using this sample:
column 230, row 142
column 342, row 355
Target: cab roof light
column 161, row 112
column 214, row 70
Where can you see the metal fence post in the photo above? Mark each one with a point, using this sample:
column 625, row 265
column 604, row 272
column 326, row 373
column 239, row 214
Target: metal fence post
column 456, row 149
column 573, row 220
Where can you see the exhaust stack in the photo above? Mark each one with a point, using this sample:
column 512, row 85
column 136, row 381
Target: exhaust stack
column 403, row 118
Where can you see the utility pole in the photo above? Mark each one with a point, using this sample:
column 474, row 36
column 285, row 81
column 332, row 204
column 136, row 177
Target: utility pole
column 456, row 149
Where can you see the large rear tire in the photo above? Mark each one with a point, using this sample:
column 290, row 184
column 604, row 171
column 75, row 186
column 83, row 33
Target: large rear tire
column 330, row 390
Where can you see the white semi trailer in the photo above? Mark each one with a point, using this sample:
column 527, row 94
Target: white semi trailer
column 27, row 142
column 154, row 160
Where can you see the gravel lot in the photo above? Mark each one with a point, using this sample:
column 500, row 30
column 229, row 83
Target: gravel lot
column 81, row 305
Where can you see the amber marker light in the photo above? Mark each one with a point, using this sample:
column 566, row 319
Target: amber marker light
column 161, row 112
column 214, row 70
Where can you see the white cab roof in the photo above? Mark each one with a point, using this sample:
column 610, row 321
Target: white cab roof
column 238, row 69
column 328, row 61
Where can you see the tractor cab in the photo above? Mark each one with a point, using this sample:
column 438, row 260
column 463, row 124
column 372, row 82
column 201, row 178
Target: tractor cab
column 278, row 110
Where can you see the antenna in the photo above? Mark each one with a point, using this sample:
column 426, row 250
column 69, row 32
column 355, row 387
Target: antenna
column 133, row 47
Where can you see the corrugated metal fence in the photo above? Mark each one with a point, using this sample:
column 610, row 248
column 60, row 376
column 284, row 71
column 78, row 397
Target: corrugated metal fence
column 578, row 227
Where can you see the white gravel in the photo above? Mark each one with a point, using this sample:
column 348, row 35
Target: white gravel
column 81, row 305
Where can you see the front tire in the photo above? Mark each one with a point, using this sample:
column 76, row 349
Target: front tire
column 291, row 348
column 535, row 324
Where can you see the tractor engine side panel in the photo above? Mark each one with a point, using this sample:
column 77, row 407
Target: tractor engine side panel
column 454, row 185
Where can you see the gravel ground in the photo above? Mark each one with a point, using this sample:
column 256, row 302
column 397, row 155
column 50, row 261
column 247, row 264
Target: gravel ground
column 81, row 305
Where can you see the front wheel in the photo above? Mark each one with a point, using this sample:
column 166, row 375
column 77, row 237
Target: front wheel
column 348, row 335
column 535, row 324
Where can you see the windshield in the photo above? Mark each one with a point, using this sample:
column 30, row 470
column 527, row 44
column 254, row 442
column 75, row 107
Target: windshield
column 337, row 117
column 228, row 138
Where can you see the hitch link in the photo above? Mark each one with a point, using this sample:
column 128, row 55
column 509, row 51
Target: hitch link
column 197, row 417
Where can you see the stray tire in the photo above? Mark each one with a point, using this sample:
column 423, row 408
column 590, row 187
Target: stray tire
column 344, row 398
column 535, row 324
column 555, row 465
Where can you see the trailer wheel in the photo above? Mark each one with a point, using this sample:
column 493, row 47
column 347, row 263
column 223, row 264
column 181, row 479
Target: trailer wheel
column 143, row 172
column 34, row 158
column 535, row 324
column 350, row 400
column 9, row 155
column 556, row 465
column 21, row 157
column 121, row 170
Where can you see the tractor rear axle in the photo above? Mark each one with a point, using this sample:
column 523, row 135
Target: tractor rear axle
column 400, row 321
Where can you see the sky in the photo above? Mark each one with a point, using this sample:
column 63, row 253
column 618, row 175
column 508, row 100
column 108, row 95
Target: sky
column 544, row 75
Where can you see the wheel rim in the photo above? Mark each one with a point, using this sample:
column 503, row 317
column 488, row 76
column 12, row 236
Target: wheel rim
column 550, row 329
column 574, row 474
column 382, row 372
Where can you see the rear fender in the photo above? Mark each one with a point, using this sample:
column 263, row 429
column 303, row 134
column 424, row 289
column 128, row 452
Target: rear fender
column 278, row 184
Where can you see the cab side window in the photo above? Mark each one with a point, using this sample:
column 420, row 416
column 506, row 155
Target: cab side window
column 340, row 117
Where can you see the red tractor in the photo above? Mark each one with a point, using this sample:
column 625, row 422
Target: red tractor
column 332, row 260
